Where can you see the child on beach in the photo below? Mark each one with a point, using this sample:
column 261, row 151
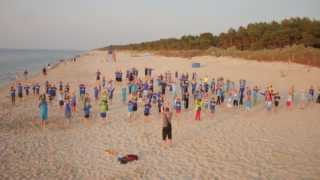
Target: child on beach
column 110, row 89
column 61, row 99
column 177, row 106
column 303, row 99
column 103, row 105
column 87, row 106
column 37, row 88
column 147, row 108
column 212, row 105
column 276, row 99
column 198, row 109
column 318, row 98
column 96, row 93
column 26, row 89
column 74, row 102
column 186, row 100
column 82, row 91
column 235, row 98
column 289, row 102
column 247, row 99
column 160, row 102
column 43, row 106
column 13, row 95
column 255, row 93
column 311, row 94
column 67, row 110
column 19, row 90
column 130, row 108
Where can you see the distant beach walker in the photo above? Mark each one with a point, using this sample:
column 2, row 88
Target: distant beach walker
column 111, row 55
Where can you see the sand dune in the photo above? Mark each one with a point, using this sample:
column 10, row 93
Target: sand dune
column 232, row 144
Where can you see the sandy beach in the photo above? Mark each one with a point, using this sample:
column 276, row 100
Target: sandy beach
column 232, row 144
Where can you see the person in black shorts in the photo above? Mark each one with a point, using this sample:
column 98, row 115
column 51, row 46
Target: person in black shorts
column 166, row 128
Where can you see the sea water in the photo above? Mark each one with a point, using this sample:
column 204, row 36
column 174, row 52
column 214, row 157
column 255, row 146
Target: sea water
column 15, row 61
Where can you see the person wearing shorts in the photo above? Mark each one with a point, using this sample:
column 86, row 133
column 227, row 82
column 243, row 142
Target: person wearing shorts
column 167, row 127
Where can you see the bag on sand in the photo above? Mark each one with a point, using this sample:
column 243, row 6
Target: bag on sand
column 127, row 158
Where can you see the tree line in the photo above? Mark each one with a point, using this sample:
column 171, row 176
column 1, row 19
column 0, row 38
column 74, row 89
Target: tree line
column 255, row 36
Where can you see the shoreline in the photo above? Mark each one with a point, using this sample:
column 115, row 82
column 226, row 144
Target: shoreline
column 54, row 64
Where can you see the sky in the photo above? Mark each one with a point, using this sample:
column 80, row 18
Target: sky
column 89, row 24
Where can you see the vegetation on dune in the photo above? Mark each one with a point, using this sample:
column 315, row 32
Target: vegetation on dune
column 294, row 39
column 296, row 54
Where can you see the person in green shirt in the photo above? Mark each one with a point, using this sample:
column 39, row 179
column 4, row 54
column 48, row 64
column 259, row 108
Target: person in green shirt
column 103, row 105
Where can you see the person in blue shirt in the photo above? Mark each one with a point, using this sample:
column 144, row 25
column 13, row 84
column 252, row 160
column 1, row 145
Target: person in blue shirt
column 96, row 93
column 130, row 108
column 13, row 95
column 177, row 106
column 255, row 93
column 82, row 91
column 43, row 106
column 147, row 109
column 67, row 110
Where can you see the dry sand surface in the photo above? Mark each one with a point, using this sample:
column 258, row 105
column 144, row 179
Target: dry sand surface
column 234, row 144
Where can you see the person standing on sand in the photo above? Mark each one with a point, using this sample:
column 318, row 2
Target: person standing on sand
column 177, row 106
column 212, row 105
column 276, row 99
column 147, row 109
column 37, row 88
column 96, row 93
column 247, row 99
column 13, row 95
column 87, row 106
column 61, row 99
column 43, row 106
column 311, row 94
column 103, row 105
column 167, row 127
column 290, row 98
column 44, row 71
column 67, row 110
column 20, row 90
column 130, row 108
column 318, row 98
column 255, row 93
column 198, row 109
column 186, row 100
column 74, row 102
column 98, row 73
column 25, row 74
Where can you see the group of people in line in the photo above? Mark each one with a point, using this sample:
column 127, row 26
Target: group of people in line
column 168, row 93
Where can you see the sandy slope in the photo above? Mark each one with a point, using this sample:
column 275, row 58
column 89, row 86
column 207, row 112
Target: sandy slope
column 231, row 145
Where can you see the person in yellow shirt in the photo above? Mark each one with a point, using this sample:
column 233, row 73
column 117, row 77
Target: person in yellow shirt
column 198, row 109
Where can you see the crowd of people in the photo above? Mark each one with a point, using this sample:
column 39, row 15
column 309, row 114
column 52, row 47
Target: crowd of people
column 168, row 93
